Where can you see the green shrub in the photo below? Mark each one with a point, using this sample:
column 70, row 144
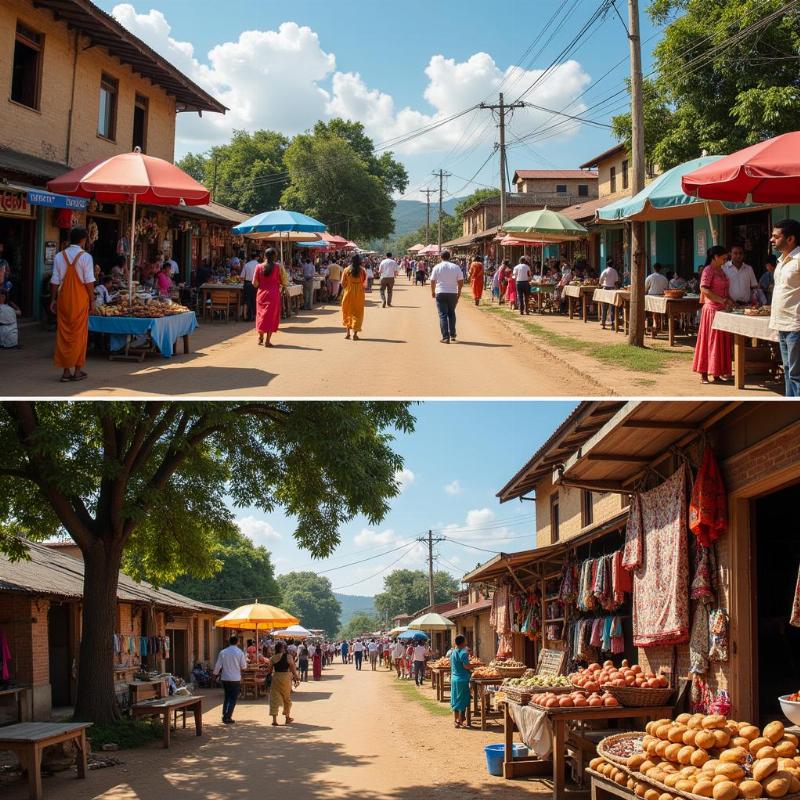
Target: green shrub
column 125, row 732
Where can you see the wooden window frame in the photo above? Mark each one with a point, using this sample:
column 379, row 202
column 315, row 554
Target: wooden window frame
column 561, row 188
column 38, row 46
column 625, row 174
column 143, row 102
column 555, row 518
column 109, row 81
column 583, row 190
column 587, row 511
column 612, row 179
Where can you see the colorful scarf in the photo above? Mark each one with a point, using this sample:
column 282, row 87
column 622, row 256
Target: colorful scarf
column 708, row 509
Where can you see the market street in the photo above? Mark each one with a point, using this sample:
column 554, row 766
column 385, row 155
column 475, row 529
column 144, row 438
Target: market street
column 355, row 737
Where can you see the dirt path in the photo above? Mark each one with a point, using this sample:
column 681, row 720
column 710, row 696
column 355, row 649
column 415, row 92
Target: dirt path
column 355, row 737
column 399, row 356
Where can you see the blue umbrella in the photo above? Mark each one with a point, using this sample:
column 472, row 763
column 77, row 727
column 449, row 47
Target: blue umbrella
column 279, row 220
column 412, row 635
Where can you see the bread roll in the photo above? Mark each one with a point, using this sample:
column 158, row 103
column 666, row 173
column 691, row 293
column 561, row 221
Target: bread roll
column 672, row 779
column 725, row 791
column 722, row 737
column 662, row 731
column 704, row 739
column 665, row 796
column 661, row 747
column 703, row 787
column 777, row 784
column 759, row 742
column 631, row 783
column 685, row 754
column 685, row 785
column 646, row 765
column 695, row 721
column 786, row 748
column 620, row 777
column 676, row 733
column 792, row 738
column 672, row 750
column 740, row 741
column 636, row 760
column 750, row 790
column 596, row 762
column 711, row 721
column 699, row 757
column 730, row 770
column 736, row 755
column 652, row 794
column 763, row 768
column 774, row 732
column 749, row 731
column 767, row 752
column 640, row 789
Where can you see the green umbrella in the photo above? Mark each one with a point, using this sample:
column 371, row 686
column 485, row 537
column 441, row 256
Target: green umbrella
column 544, row 224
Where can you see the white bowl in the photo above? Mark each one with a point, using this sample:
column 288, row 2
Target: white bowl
column 790, row 708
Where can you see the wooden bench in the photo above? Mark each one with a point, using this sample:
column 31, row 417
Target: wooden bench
column 29, row 739
column 167, row 708
column 18, row 695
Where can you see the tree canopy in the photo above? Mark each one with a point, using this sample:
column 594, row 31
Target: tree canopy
column 310, row 598
column 739, row 93
column 405, row 591
column 155, row 479
column 360, row 623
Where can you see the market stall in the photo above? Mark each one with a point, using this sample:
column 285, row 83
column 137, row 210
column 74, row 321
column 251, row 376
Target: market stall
column 671, row 308
column 748, row 329
column 226, row 294
column 582, row 293
column 616, row 300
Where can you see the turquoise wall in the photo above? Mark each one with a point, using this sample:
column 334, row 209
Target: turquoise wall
column 665, row 243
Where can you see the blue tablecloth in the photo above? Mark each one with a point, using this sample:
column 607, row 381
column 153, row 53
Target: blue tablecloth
column 164, row 331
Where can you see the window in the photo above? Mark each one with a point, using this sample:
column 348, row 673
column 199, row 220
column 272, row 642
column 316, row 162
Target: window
column 140, row 123
column 554, row 518
column 27, row 68
column 561, row 188
column 612, row 177
column 625, row 500
column 107, row 113
column 583, row 190
column 586, row 508
column 625, row 174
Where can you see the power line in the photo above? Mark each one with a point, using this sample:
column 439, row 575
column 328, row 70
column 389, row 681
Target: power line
column 379, row 572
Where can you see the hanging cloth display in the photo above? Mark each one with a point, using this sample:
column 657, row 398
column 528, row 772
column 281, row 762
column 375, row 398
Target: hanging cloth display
column 794, row 619
column 5, row 658
column 718, row 635
column 704, row 582
column 698, row 642
column 708, row 509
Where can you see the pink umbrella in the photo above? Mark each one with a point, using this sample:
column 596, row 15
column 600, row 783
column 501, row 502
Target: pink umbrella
column 132, row 177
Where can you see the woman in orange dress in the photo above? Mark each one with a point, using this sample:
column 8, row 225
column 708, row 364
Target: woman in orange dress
column 476, row 278
column 353, row 280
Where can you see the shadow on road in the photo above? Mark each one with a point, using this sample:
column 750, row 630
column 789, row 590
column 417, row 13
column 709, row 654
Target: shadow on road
column 480, row 344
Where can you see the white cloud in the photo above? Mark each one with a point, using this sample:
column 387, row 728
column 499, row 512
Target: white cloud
column 454, row 487
column 284, row 80
column 368, row 537
column 480, row 526
column 259, row 530
column 405, row 478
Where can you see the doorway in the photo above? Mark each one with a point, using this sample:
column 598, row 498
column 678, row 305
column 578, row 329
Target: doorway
column 104, row 250
column 776, row 552
column 752, row 231
column 59, row 656
column 176, row 663
column 684, row 248
column 17, row 240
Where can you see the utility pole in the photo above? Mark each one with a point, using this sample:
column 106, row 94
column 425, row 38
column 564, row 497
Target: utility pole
column 430, row 540
column 638, row 245
column 428, row 193
column 442, row 175
column 502, row 109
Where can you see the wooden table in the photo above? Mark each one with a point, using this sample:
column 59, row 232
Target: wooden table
column 532, row 765
column 672, row 308
column 481, row 704
column 582, row 293
column 165, row 708
column 616, row 298
column 204, row 291
column 438, row 682
column 17, row 693
column 744, row 328
column 293, row 299
column 603, row 788
column 539, row 290
column 28, row 740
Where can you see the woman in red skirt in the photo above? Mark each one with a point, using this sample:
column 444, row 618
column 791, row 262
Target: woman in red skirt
column 268, row 280
column 712, row 353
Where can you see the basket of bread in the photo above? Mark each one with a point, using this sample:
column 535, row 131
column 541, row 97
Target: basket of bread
column 675, row 294
column 508, row 667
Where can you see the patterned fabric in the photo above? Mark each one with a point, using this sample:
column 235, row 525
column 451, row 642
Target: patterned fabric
column 621, row 579
column 661, row 581
column 633, row 552
column 698, row 643
column 708, row 509
column 704, row 583
column 718, row 634
column 795, row 617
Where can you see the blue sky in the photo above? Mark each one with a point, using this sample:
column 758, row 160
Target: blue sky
column 459, row 456
column 395, row 66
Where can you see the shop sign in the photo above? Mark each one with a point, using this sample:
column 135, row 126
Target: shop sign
column 14, row 204
column 38, row 197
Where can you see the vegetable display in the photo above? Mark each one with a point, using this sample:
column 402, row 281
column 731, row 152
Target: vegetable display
column 538, row 681
column 593, row 677
column 577, row 699
column 152, row 310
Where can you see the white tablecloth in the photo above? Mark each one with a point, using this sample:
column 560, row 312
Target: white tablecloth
column 753, row 327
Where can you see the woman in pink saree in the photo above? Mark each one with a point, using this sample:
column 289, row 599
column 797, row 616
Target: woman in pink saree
column 268, row 279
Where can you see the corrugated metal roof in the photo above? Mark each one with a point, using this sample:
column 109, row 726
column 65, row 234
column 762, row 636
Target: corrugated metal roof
column 49, row 572
column 24, row 164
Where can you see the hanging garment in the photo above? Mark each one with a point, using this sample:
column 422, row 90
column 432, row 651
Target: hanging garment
column 605, row 643
column 708, row 509
column 569, row 584
column 633, row 553
column 617, row 636
column 794, row 619
column 705, row 570
column 718, row 633
column 5, row 658
column 621, row 579
column 661, row 581
column 698, row 642
column 597, row 633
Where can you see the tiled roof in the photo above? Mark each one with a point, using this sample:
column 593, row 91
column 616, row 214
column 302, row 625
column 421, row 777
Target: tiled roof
column 588, row 209
column 470, row 608
column 550, row 174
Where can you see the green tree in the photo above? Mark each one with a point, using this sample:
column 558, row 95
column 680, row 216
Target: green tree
column 332, row 182
column 451, row 229
column 155, row 479
column 359, row 624
column 245, row 573
column 310, row 598
column 739, row 94
column 248, row 173
column 405, row 591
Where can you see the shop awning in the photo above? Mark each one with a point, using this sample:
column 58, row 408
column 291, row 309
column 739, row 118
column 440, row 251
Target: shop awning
column 461, row 241
column 636, row 439
column 41, row 197
column 470, row 608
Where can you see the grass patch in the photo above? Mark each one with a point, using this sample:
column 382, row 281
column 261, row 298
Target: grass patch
column 126, row 733
column 636, row 359
column 411, row 692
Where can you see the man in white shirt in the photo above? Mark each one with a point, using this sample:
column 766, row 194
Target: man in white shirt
column 742, row 283
column 309, row 273
column 358, row 652
column 398, row 655
column 419, row 663
column 655, row 283
column 447, row 281
column 372, row 647
column 521, row 275
column 230, row 663
column 388, row 270
column 785, row 309
column 173, row 267
column 248, row 273
column 609, row 279
column 72, row 293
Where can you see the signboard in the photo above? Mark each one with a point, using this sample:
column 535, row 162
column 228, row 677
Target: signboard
column 14, row 204
column 653, row 245
column 702, row 247
column 39, row 197
column 551, row 662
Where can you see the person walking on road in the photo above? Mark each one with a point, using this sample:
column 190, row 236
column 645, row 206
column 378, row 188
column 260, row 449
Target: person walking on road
column 398, row 654
column 249, row 289
column 230, row 663
column 372, row 647
column 268, row 280
column 284, row 676
column 334, row 280
column 345, row 651
column 785, row 310
column 358, row 652
column 72, row 293
column 353, row 279
column 522, row 283
column 447, row 281
column 388, row 269
column 459, row 681
column 316, row 663
column 476, row 278
column 419, row 662
column 309, row 273
column 302, row 654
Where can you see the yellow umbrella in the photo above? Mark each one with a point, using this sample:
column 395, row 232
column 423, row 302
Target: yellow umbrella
column 257, row 615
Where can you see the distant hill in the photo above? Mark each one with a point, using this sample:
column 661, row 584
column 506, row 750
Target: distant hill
column 410, row 214
column 352, row 603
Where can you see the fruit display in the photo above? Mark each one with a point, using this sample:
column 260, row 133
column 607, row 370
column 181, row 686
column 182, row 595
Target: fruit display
column 595, row 676
column 711, row 756
column 576, row 699
column 155, row 309
column 486, row 673
column 538, row 681
column 444, row 662
column 506, row 662
column 759, row 311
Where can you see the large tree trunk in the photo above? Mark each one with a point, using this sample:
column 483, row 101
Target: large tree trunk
column 95, row 700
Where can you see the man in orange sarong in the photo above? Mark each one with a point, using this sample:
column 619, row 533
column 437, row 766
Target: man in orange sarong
column 72, row 291
column 476, row 278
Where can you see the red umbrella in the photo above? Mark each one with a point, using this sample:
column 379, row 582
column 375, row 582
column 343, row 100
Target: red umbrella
column 132, row 177
column 767, row 172
column 332, row 238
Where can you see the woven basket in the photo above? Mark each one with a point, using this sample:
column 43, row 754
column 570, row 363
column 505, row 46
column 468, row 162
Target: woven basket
column 634, row 696
column 511, row 672
column 603, row 745
column 679, row 793
column 517, row 695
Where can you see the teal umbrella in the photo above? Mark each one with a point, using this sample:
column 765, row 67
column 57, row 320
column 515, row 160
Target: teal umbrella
column 664, row 199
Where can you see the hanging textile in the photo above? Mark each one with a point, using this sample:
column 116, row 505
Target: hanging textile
column 661, row 581
column 568, row 591
column 698, row 642
column 718, row 634
column 708, row 509
column 794, row 619
column 633, row 552
column 617, row 636
column 5, row 658
column 704, row 582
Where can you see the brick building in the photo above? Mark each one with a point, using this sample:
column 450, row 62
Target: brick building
column 40, row 617
column 581, row 482
column 557, row 188
column 82, row 88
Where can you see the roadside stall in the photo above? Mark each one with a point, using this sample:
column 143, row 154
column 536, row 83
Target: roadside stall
column 754, row 342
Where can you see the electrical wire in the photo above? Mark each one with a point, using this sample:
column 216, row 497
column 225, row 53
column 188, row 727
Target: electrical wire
column 379, row 572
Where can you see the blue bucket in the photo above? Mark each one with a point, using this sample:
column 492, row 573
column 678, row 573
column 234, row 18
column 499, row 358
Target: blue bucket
column 494, row 756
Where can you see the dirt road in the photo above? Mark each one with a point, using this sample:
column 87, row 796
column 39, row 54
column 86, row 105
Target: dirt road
column 400, row 356
column 355, row 737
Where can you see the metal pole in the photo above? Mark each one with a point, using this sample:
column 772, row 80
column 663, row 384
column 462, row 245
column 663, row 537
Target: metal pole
column 427, row 193
column 502, row 159
column 637, row 252
column 431, row 596
column 441, row 189
column 130, row 266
